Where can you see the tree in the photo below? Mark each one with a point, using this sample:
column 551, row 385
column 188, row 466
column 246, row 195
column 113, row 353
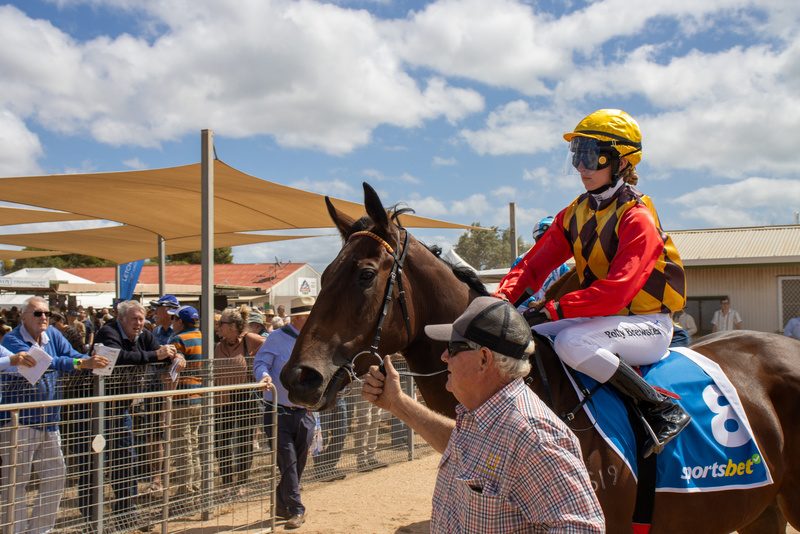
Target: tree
column 59, row 262
column 489, row 248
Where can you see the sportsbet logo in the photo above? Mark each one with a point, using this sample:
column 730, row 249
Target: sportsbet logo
column 717, row 470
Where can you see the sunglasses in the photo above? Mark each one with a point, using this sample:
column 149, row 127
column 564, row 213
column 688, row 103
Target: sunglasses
column 223, row 322
column 454, row 347
column 40, row 313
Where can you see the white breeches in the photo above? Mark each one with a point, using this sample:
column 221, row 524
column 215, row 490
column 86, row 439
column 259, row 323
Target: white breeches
column 591, row 345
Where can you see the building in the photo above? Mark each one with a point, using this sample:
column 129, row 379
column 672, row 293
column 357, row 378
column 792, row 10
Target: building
column 757, row 268
column 261, row 284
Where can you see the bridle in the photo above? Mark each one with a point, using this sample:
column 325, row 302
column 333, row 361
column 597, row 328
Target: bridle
column 395, row 277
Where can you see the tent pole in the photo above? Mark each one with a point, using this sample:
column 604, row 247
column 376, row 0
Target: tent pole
column 117, row 280
column 162, row 258
column 207, row 303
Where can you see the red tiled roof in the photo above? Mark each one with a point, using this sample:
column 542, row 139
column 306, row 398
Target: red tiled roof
column 263, row 275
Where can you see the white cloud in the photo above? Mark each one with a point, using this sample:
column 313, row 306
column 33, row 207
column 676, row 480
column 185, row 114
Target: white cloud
column 312, row 75
column 135, row 163
column 472, row 207
column 427, row 206
column 21, row 147
column 439, row 161
column 381, row 177
column 515, row 128
column 753, row 201
column 505, row 192
column 334, row 188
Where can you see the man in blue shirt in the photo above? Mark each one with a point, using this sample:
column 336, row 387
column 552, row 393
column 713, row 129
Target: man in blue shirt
column 163, row 331
column 38, row 443
column 295, row 423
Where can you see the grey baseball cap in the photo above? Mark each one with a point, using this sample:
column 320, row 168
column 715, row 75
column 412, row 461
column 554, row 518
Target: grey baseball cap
column 490, row 322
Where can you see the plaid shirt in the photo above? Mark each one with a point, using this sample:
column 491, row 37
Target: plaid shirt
column 513, row 466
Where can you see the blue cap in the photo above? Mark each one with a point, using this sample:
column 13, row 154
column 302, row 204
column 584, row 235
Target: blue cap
column 187, row 313
column 170, row 301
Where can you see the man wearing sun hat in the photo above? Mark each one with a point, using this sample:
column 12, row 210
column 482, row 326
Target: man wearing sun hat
column 295, row 423
column 508, row 462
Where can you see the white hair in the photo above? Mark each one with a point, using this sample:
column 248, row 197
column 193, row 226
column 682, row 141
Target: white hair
column 31, row 301
column 124, row 307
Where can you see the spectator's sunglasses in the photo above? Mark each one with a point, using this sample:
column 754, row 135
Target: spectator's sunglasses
column 40, row 313
column 454, row 347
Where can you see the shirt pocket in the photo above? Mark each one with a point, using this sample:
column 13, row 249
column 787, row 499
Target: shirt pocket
column 480, row 506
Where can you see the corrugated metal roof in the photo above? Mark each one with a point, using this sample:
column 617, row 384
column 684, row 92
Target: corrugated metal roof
column 737, row 246
column 263, row 275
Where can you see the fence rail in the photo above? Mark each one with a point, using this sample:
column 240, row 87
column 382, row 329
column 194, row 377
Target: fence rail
column 85, row 453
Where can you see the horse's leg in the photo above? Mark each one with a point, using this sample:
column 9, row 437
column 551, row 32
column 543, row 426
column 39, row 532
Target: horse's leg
column 770, row 522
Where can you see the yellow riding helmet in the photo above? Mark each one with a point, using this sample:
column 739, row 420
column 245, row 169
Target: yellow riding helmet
column 614, row 126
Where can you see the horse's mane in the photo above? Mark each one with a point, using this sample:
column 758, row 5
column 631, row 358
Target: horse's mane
column 462, row 274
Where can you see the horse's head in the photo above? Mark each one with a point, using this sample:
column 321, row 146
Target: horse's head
column 343, row 322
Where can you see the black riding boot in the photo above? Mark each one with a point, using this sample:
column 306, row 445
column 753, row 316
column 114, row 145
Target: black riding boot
column 664, row 416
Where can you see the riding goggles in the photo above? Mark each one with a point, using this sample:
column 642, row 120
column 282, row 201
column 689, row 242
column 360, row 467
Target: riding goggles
column 588, row 155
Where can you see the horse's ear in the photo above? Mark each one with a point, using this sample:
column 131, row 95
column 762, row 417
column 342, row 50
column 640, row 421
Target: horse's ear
column 374, row 208
column 342, row 221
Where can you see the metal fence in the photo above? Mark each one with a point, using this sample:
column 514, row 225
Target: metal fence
column 83, row 453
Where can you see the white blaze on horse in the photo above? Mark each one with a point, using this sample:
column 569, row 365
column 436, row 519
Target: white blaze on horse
column 348, row 325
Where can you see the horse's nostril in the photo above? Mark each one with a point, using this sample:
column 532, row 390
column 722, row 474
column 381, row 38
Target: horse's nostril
column 308, row 377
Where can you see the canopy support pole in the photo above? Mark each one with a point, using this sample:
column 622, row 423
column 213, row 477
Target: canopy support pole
column 162, row 260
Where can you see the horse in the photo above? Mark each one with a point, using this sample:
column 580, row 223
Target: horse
column 384, row 286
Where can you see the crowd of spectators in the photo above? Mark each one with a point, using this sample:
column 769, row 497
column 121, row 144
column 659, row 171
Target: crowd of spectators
column 160, row 348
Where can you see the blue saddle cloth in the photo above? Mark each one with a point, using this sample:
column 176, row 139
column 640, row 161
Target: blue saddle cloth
column 715, row 452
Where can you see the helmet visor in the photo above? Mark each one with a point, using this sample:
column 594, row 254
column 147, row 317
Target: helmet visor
column 586, row 154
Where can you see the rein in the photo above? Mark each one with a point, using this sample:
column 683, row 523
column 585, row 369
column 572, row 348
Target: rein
column 395, row 277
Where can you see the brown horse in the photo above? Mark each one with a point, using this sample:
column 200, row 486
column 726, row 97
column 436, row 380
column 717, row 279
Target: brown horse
column 340, row 334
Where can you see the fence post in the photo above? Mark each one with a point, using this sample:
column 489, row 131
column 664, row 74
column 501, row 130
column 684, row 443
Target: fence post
column 98, row 429
column 409, row 387
column 9, row 514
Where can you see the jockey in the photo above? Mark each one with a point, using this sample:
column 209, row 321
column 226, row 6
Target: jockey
column 630, row 272
column 538, row 231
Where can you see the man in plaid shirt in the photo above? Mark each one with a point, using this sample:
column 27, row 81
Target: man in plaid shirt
column 508, row 463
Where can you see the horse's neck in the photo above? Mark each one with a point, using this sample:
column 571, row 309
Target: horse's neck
column 437, row 295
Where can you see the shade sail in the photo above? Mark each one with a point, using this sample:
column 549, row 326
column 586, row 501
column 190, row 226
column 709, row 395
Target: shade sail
column 20, row 254
column 167, row 201
column 25, row 216
column 122, row 244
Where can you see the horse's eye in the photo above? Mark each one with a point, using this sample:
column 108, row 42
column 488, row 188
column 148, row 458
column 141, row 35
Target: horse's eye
column 366, row 275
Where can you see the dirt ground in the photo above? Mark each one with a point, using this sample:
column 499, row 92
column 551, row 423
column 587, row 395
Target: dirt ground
column 393, row 499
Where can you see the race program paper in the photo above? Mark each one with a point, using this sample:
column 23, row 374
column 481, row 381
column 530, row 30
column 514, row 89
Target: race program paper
column 33, row 374
column 111, row 354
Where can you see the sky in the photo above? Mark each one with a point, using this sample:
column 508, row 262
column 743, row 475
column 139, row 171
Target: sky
column 455, row 107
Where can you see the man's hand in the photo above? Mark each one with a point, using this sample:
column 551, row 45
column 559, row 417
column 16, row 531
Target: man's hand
column 179, row 361
column 166, row 351
column 95, row 362
column 382, row 390
column 266, row 380
column 22, row 358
